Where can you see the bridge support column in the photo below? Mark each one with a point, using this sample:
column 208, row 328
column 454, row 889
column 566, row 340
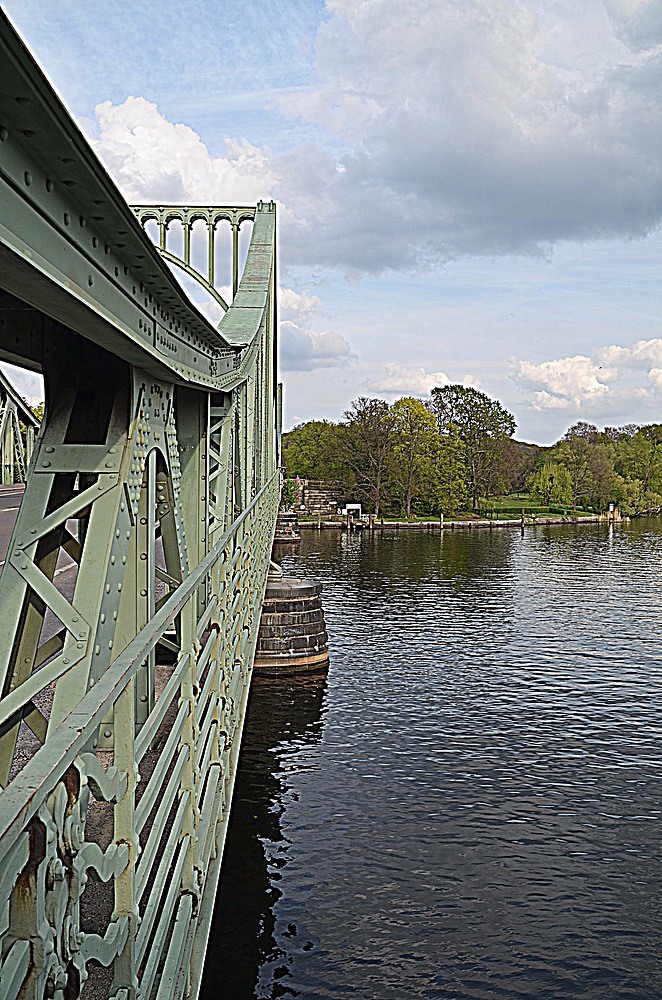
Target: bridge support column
column 7, row 443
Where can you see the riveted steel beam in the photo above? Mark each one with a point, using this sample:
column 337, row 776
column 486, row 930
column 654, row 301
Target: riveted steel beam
column 70, row 245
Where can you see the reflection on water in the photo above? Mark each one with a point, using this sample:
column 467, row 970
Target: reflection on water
column 284, row 718
column 472, row 806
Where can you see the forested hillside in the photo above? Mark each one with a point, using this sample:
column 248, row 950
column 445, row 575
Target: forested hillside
column 456, row 451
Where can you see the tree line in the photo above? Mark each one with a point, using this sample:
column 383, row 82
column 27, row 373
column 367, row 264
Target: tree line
column 592, row 468
column 456, row 451
column 414, row 457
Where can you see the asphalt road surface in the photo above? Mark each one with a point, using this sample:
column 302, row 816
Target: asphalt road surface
column 10, row 499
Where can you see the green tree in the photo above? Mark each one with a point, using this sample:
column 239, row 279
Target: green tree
column 415, row 434
column 601, row 487
column 631, row 498
column 575, row 452
column 639, row 456
column 368, row 446
column 313, row 451
column 482, row 424
column 450, row 473
column 288, row 494
column 551, row 484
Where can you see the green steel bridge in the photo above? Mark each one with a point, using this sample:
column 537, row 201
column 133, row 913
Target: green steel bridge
column 154, row 483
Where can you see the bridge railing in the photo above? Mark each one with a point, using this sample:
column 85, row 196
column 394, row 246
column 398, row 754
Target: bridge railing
column 147, row 822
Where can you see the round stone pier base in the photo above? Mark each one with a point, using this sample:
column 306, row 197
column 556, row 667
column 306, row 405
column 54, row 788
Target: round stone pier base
column 292, row 636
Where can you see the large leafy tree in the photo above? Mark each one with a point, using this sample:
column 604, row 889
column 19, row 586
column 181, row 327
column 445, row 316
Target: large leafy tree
column 312, row 450
column 481, row 423
column 576, row 452
column 368, row 446
column 415, row 439
column 450, row 473
column 639, row 456
column 551, row 484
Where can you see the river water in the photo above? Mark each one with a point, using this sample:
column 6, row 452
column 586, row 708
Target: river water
column 469, row 805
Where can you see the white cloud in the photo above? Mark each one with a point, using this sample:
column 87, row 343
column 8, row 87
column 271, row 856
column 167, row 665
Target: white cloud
column 479, row 126
column 302, row 347
column 154, row 160
column 400, row 381
column 637, row 22
column 570, row 379
column 299, row 308
column 614, row 379
column 465, row 127
column 645, row 354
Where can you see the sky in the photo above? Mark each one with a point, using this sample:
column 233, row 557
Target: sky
column 468, row 190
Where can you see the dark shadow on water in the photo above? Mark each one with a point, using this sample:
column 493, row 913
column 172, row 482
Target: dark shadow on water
column 282, row 713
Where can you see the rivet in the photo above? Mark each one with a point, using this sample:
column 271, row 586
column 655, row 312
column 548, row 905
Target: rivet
column 45, row 465
column 97, row 650
column 49, row 450
column 79, row 645
column 107, row 588
column 65, row 659
column 143, row 593
column 110, row 644
column 102, row 619
column 28, row 178
column 107, row 733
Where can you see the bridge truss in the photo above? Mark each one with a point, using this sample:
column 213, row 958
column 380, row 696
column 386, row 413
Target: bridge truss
column 131, row 593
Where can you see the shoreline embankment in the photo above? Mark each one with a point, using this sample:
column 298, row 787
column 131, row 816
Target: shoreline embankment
column 464, row 525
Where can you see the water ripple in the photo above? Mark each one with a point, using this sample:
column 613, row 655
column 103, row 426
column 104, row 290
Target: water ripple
column 470, row 806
